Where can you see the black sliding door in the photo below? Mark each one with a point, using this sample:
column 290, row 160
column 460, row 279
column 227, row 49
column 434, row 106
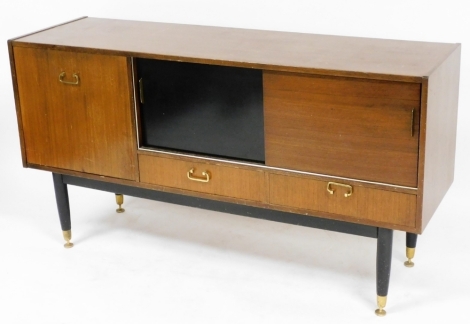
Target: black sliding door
column 204, row 109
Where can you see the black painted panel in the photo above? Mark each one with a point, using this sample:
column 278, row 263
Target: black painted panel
column 205, row 109
column 231, row 208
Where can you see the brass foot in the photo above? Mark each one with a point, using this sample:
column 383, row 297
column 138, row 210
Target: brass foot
column 120, row 201
column 410, row 254
column 381, row 302
column 67, row 237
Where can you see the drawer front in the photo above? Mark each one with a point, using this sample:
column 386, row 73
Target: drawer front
column 353, row 128
column 76, row 111
column 363, row 204
column 222, row 181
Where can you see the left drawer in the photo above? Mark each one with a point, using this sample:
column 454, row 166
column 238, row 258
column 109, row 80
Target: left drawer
column 76, row 111
column 203, row 177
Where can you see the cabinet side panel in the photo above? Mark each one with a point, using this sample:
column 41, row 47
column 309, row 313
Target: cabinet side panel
column 17, row 101
column 441, row 126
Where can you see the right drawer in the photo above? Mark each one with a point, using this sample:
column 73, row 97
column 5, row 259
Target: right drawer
column 389, row 207
column 353, row 128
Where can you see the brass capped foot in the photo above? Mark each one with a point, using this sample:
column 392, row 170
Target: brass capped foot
column 120, row 201
column 67, row 237
column 410, row 254
column 381, row 302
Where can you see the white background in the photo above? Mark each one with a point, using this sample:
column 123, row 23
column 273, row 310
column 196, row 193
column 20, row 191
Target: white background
column 159, row 263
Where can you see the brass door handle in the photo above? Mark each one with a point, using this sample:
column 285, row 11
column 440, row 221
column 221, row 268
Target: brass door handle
column 141, row 90
column 75, row 76
column 206, row 174
column 332, row 191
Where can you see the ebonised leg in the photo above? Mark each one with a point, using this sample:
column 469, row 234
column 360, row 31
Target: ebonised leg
column 384, row 261
column 410, row 248
column 120, row 201
column 63, row 206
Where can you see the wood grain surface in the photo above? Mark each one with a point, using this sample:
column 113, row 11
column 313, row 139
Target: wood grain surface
column 85, row 127
column 283, row 51
column 17, row 102
column 437, row 159
column 343, row 127
column 345, row 113
column 364, row 204
column 224, row 181
column 261, row 167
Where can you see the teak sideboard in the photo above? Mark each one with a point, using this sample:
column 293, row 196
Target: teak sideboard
column 348, row 134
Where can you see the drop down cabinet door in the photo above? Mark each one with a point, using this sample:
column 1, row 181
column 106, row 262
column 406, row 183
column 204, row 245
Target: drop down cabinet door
column 76, row 111
column 347, row 127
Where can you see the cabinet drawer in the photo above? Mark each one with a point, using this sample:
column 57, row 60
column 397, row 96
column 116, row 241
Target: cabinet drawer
column 364, row 203
column 222, row 180
column 353, row 128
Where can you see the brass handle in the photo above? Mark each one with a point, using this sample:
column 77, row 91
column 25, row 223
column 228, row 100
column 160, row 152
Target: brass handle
column 75, row 76
column 141, row 90
column 332, row 191
column 206, row 174
column 412, row 121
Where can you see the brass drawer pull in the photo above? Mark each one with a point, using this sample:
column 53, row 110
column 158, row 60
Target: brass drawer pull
column 75, row 76
column 332, row 191
column 206, row 174
column 141, row 90
column 412, row 121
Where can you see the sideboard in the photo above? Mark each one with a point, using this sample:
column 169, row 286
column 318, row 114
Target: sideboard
column 348, row 134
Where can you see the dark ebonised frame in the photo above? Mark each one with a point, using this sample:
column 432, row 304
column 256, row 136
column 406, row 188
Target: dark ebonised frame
column 384, row 236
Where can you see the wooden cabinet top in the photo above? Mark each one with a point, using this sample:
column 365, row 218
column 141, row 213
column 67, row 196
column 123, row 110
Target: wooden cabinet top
column 270, row 50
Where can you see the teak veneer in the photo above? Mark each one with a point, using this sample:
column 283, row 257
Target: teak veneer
column 359, row 141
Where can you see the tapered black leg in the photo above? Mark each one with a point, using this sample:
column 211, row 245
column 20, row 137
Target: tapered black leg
column 63, row 207
column 411, row 239
column 384, row 262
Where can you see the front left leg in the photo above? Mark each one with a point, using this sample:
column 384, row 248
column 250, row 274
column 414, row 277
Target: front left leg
column 63, row 206
column 384, row 262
